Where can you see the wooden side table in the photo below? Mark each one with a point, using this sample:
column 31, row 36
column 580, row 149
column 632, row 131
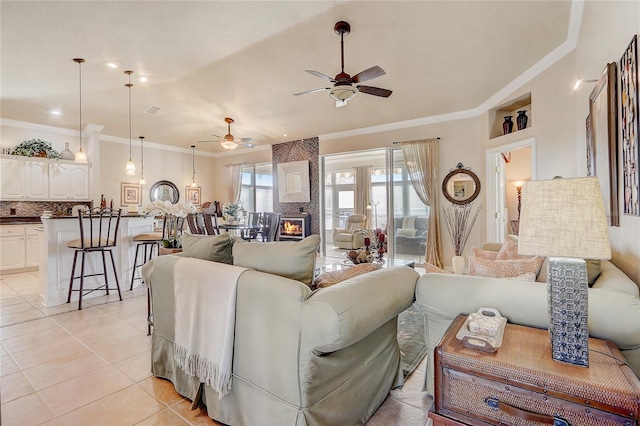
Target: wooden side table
column 521, row 384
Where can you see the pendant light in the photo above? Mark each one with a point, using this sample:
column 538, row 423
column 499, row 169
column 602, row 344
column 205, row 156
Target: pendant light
column 193, row 167
column 80, row 156
column 131, row 166
column 142, row 181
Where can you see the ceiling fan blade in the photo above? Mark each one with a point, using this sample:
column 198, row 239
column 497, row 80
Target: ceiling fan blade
column 247, row 144
column 244, row 140
column 216, row 136
column 311, row 91
column 375, row 91
column 368, row 74
column 208, row 141
column 319, row 74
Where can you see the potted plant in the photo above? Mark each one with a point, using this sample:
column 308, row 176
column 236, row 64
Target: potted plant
column 35, row 148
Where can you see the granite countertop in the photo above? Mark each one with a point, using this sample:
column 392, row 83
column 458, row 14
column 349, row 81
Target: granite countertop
column 19, row 220
column 30, row 220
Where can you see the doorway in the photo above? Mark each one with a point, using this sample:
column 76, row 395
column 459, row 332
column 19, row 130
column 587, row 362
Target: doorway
column 507, row 167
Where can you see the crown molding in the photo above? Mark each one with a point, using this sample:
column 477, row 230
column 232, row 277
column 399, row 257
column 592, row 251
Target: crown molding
column 34, row 126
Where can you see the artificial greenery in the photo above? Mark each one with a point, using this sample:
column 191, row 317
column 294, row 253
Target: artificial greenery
column 33, row 147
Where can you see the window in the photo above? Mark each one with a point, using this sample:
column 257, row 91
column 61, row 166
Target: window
column 256, row 192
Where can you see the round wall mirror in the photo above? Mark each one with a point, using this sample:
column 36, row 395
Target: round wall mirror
column 461, row 185
column 164, row 190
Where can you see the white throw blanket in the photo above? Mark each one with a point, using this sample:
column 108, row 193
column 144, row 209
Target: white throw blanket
column 205, row 319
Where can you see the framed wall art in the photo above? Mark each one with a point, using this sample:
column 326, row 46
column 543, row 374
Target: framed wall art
column 629, row 117
column 604, row 134
column 130, row 194
column 193, row 195
column 590, row 148
column 293, row 182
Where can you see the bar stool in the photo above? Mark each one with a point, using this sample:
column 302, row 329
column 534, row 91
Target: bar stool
column 148, row 241
column 101, row 225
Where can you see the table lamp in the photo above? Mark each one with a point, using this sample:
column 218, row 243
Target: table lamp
column 565, row 220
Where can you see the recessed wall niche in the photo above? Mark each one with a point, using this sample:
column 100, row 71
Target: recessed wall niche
column 510, row 109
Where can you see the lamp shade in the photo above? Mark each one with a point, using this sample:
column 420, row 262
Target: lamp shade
column 564, row 218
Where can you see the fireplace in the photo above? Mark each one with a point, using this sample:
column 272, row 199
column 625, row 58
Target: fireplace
column 294, row 227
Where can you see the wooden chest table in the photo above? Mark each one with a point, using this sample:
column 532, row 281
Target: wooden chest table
column 522, row 385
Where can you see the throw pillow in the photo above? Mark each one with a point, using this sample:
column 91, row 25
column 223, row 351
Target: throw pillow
column 484, row 254
column 216, row 248
column 593, row 271
column 528, row 276
column 504, row 268
column 330, row 278
column 406, row 232
column 433, row 269
column 290, row 259
column 509, row 251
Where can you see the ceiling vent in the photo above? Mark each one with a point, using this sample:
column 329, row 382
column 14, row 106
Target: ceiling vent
column 151, row 109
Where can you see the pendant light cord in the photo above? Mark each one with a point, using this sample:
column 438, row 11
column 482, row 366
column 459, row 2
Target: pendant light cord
column 129, row 86
column 141, row 157
column 80, row 90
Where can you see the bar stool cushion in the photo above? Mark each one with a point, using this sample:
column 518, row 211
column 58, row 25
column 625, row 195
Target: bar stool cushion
column 91, row 243
column 150, row 237
column 216, row 248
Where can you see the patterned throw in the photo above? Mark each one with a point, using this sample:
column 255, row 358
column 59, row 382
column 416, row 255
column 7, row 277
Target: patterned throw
column 205, row 319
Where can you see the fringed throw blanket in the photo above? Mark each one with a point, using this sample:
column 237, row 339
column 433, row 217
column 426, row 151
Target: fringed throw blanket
column 205, row 316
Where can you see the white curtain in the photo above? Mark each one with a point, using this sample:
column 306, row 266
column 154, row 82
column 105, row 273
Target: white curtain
column 234, row 178
column 362, row 189
column 421, row 158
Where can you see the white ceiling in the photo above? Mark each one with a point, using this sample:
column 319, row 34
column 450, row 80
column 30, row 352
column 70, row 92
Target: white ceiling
column 207, row 60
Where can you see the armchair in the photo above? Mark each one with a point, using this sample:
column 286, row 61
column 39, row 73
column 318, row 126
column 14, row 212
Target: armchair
column 352, row 236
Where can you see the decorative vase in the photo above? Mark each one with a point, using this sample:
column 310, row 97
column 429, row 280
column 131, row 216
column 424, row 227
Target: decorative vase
column 458, row 263
column 521, row 119
column 67, row 154
column 507, row 126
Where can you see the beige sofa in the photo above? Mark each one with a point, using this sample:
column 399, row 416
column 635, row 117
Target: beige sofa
column 301, row 357
column 614, row 307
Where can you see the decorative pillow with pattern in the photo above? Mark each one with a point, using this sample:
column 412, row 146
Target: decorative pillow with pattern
column 330, row 278
column 433, row 269
column 484, row 254
column 504, row 268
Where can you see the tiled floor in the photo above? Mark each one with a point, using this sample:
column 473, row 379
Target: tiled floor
column 60, row 366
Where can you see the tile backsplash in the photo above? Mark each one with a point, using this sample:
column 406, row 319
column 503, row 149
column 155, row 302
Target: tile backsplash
column 35, row 208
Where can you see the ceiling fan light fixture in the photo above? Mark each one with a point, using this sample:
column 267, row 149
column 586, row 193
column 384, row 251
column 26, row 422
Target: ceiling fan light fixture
column 228, row 144
column 343, row 93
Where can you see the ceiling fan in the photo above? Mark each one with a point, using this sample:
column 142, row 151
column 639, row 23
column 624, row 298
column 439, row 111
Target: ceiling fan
column 343, row 89
column 231, row 142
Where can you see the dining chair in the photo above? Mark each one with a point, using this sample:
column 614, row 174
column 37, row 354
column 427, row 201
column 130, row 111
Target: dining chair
column 270, row 226
column 211, row 224
column 196, row 224
column 253, row 220
column 98, row 234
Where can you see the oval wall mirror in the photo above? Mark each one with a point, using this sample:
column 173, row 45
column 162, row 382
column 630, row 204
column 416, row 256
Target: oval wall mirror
column 461, row 185
column 164, row 190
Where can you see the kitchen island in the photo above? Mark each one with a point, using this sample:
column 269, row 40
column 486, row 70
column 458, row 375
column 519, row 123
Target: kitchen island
column 56, row 259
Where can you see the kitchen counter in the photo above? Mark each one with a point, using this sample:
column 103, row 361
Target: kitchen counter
column 19, row 220
column 56, row 258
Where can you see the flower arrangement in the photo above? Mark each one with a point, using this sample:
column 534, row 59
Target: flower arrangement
column 231, row 211
column 460, row 220
column 174, row 216
column 35, row 148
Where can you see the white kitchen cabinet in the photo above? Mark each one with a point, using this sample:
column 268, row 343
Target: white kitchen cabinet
column 24, row 178
column 32, row 246
column 12, row 247
column 20, row 247
column 68, row 181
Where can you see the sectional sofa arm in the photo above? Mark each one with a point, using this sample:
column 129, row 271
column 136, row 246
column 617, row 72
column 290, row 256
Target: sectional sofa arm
column 613, row 315
column 341, row 315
